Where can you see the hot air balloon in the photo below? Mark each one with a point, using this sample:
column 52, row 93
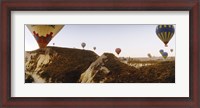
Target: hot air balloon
column 149, row 55
column 94, row 48
column 171, row 50
column 83, row 44
column 161, row 51
column 164, row 54
column 44, row 33
column 53, row 43
column 118, row 50
column 165, row 33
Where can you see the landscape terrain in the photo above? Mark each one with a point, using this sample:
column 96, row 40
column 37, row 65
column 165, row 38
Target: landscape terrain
column 70, row 65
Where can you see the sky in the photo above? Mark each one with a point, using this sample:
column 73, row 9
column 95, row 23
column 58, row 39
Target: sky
column 134, row 40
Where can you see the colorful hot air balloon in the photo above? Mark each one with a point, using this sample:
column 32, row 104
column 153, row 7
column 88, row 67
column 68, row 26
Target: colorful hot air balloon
column 149, row 55
column 165, row 33
column 94, row 48
column 171, row 50
column 118, row 50
column 44, row 33
column 83, row 44
column 161, row 51
column 164, row 54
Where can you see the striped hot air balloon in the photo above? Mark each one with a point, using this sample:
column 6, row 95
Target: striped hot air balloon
column 165, row 33
column 44, row 33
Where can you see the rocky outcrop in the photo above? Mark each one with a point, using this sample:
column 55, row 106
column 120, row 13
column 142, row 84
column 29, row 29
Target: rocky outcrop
column 109, row 69
column 55, row 64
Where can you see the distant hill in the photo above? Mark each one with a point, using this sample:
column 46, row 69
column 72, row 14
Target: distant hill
column 141, row 59
column 68, row 65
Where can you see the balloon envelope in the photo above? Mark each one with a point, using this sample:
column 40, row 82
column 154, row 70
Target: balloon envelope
column 44, row 33
column 164, row 54
column 149, row 55
column 118, row 50
column 171, row 50
column 161, row 51
column 83, row 44
column 165, row 33
column 94, row 48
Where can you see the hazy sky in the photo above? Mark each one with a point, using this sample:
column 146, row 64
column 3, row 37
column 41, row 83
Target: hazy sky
column 134, row 40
